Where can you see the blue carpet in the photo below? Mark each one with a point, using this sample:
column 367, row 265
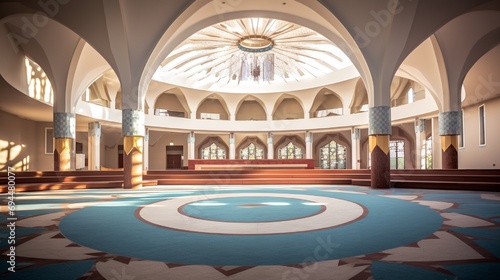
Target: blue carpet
column 395, row 271
column 62, row 271
column 490, row 233
column 251, row 209
column 4, row 234
column 113, row 227
column 479, row 210
column 475, row 271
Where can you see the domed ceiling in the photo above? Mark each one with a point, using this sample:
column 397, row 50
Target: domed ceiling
column 253, row 55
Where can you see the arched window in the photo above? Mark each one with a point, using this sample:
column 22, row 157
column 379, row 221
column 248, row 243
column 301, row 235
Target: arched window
column 426, row 154
column 289, row 151
column 252, row 152
column 333, row 156
column 213, row 152
column 397, row 154
column 411, row 95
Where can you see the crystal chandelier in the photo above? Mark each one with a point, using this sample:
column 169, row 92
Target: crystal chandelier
column 253, row 63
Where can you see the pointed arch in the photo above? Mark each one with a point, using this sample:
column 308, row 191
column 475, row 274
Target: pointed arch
column 296, row 142
column 172, row 103
column 213, row 104
column 339, row 139
column 288, row 107
column 212, row 147
column 360, row 100
column 251, row 108
column 256, row 141
column 326, row 103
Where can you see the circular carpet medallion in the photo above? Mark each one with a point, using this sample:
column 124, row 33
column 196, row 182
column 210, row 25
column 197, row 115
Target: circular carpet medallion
column 254, row 227
column 333, row 212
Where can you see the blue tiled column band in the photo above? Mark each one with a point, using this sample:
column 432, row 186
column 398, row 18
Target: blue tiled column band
column 420, row 126
column 309, row 137
column 270, row 137
column 449, row 123
column 379, row 120
column 355, row 134
column 191, row 137
column 64, row 125
column 95, row 129
column 133, row 122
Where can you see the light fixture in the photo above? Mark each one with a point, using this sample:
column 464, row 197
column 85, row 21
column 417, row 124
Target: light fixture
column 253, row 63
column 171, row 143
column 247, row 52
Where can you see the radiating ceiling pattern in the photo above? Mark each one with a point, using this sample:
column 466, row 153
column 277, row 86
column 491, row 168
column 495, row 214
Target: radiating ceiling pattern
column 251, row 52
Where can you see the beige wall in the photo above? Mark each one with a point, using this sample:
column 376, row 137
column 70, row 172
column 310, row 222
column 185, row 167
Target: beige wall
column 289, row 108
column 169, row 101
column 158, row 141
column 472, row 155
column 251, row 110
column 110, row 149
column 212, row 106
column 22, row 144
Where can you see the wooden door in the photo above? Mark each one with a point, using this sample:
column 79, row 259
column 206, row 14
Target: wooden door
column 120, row 156
column 174, row 157
column 174, row 161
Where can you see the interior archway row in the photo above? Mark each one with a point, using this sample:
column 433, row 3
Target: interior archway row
column 455, row 70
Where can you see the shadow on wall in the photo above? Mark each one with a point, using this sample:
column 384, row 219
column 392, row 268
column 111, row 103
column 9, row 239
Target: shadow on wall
column 13, row 155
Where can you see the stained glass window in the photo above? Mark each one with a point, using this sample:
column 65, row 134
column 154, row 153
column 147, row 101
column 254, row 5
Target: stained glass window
column 426, row 154
column 397, row 154
column 252, row 152
column 333, row 156
column 290, row 151
column 213, row 152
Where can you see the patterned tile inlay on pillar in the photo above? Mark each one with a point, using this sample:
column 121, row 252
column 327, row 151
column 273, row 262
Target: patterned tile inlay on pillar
column 379, row 120
column 64, row 125
column 449, row 123
column 133, row 122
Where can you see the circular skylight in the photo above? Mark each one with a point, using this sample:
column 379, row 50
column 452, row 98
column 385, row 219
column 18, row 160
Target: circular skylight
column 252, row 55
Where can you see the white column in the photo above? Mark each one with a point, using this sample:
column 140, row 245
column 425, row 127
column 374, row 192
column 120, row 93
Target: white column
column 419, row 138
column 270, row 146
column 355, row 149
column 191, row 145
column 145, row 150
column 94, row 146
column 232, row 147
column 309, row 144
column 436, row 145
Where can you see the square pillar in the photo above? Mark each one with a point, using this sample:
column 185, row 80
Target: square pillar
column 449, row 129
column 133, row 132
column 309, row 145
column 355, row 149
column 94, row 146
column 232, row 147
column 270, row 145
column 64, row 140
column 379, row 136
column 191, row 145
